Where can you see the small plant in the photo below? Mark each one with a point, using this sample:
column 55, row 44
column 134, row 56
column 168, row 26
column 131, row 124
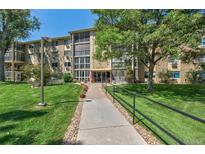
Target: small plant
column 192, row 76
column 129, row 74
column 56, row 75
column 85, row 87
column 68, row 77
column 164, row 76
column 34, row 72
column 82, row 95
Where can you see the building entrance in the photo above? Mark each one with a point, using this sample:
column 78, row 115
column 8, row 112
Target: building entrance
column 101, row 76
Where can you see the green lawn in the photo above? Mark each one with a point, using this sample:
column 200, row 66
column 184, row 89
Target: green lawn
column 22, row 122
column 187, row 98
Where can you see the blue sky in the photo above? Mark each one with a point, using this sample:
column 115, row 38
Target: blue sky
column 56, row 23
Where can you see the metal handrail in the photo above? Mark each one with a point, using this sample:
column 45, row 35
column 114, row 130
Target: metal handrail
column 133, row 110
column 165, row 105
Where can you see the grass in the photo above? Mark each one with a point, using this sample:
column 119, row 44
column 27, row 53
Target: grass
column 187, row 98
column 22, row 122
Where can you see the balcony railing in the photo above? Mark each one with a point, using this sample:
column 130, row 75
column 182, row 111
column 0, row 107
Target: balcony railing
column 19, row 56
column 17, row 74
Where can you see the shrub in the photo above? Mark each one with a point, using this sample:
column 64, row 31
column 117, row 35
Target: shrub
column 34, row 71
column 129, row 74
column 85, row 87
column 82, row 95
column 192, row 76
column 67, row 77
column 164, row 76
column 56, row 75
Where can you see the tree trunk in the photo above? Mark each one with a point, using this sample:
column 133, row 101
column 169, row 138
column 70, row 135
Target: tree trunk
column 150, row 78
column 2, row 75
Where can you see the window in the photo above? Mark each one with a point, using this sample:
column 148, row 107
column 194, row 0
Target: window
column 31, row 46
column 55, row 43
column 67, row 53
column 203, row 42
column 66, row 42
column 146, row 74
column 82, row 37
column 82, row 49
column 81, row 75
column 175, row 75
column 87, row 60
column 67, row 64
column 54, row 64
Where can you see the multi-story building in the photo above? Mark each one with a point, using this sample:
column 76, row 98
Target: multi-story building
column 75, row 54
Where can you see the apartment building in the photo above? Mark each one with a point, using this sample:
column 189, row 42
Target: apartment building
column 75, row 54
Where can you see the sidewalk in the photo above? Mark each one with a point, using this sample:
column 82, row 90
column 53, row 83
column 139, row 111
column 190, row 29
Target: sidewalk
column 102, row 123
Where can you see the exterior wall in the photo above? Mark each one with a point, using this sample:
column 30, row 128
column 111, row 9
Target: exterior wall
column 65, row 53
column 95, row 64
column 184, row 69
column 179, row 66
column 14, row 62
column 160, row 66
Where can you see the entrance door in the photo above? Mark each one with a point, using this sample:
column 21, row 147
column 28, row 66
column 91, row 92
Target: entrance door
column 101, row 76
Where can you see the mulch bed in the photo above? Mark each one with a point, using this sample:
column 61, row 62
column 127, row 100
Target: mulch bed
column 72, row 131
column 147, row 135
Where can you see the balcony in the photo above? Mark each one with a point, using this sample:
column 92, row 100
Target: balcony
column 19, row 57
column 17, row 74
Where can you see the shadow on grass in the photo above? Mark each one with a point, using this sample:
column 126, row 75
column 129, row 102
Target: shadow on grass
column 20, row 139
column 7, row 128
column 20, row 115
column 184, row 92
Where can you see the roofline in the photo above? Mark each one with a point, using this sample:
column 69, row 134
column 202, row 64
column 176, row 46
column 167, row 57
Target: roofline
column 61, row 37
column 52, row 38
column 82, row 30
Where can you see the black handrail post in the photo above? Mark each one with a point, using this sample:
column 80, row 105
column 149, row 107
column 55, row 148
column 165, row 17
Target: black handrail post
column 133, row 117
column 113, row 94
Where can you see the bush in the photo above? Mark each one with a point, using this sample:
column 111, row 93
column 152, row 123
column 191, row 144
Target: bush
column 67, row 77
column 129, row 75
column 56, row 75
column 192, row 76
column 164, row 76
column 34, row 71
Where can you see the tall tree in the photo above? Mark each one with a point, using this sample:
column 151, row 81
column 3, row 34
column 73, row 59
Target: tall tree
column 150, row 35
column 14, row 25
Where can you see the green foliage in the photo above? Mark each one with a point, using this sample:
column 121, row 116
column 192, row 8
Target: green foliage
column 14, row 25
column 57, row 75
column 68, row 77
column 129, row 74
column 192, row 76
column 202, row 65
column 150, row 35
column 34, row 71
column 164, row 76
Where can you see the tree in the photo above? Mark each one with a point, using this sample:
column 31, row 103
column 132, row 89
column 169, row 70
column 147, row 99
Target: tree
column 34, row 71
column 14, row 25
column 68, row 77
column 149, row 35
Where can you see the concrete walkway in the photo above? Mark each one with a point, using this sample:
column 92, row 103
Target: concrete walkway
column 102, row 123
